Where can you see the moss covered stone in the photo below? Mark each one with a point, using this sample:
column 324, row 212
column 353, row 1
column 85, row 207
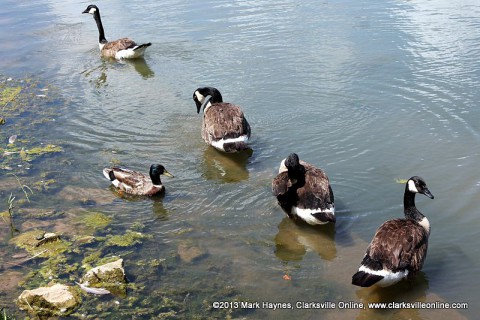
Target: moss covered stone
column 110, row 276
column 30, row 242
column 55, row 300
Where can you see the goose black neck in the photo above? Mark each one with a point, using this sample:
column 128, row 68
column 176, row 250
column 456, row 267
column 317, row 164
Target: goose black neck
column 409, row 208
column 101, row 32
column 297, row 175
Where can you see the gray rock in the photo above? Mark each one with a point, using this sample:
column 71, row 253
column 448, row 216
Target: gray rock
column 55, row 300
column 110, row 276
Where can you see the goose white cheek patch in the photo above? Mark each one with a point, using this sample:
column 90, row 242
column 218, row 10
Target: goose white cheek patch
column 412, row 187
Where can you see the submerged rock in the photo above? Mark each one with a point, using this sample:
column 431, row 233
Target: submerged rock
column 190, row 253
column 86, row 195
column 55, row 300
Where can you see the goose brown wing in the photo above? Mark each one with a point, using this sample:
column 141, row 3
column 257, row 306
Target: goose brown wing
column 399, row 244
column 280, row 184
column 225, row 121
column 120, row 44
column 317, row 191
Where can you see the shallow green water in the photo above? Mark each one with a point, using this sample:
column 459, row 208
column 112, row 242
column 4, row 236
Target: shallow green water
column 370, row 92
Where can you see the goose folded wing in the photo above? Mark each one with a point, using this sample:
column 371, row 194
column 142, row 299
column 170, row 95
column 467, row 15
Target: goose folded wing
column 120, row 44
column 226, row 121
column 280, row 184
column 399, row 244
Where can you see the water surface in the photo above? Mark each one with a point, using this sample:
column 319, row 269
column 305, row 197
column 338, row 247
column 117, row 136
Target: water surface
column 370, row 92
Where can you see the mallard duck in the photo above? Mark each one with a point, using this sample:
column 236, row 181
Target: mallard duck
column 137, row 183
column 399, row 247
column 224, row 125
column 304, row 192
column 124, row 48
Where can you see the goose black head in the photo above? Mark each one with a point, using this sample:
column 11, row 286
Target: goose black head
column 296, row 172
column 417, row 185
column 202, row 96
column 92, row 9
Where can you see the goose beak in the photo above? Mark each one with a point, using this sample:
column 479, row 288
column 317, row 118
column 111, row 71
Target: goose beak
column 205, row 102
column 85, row 11
column 168, row 174
column 428, row 193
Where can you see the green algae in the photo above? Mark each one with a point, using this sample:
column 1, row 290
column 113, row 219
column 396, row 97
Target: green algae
column 95, row 220
column 35, row 152
column 44, row 184
column 26, row 106
column 8, row 94
column 128, row 239
column 91, row 259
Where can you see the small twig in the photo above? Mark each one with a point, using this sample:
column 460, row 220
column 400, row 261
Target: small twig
column 28, row 303
column 36, row 255
column 23, row 187
column 19, row 264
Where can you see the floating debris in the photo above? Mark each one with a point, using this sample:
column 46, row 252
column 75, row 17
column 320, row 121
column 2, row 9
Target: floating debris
column 12, row 139
column 99, row 291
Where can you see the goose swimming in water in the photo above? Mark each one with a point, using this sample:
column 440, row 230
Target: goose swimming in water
column 304, row 192
column 224, row 125
column 137, row 183
column 124, row 48
column 399, row 247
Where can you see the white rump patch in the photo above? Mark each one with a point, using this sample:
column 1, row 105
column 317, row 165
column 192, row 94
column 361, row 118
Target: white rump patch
column 130, row 53
column 306, row 214
column 389, row 277
column 425, row 224
column 219, row 144
column 412, row 187
column 283, row 167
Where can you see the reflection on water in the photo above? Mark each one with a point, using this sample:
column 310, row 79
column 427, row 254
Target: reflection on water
column 141, row 67
column 293, row 240
column 407, row 290
column 99, row 73
column 158, row 209
column 225, row 167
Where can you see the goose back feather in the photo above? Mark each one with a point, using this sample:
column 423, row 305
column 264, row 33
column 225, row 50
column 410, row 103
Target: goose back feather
column 224, row 125
column 304, row 191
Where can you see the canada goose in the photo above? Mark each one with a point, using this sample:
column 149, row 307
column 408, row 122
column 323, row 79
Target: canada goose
column 124, row 48
column 224, row 125
column 399, row 246
column 137, row 183
column 304, row 192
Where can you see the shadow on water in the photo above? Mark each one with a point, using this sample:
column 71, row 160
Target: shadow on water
column 224, row 167
column 294, row 239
